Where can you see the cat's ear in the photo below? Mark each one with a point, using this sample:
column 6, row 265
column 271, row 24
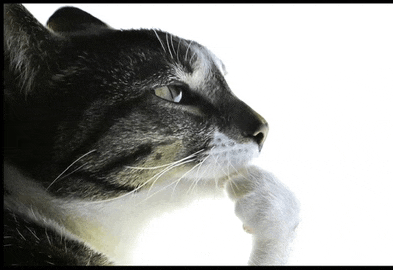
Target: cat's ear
column 71, row 20
column 26, row 46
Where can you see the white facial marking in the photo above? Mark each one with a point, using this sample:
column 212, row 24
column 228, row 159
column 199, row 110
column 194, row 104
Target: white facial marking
column 225, row 158
column 219, row 64
column 202, row 64
column 229, row 151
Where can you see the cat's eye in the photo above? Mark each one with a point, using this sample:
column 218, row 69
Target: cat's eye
column 172, row 93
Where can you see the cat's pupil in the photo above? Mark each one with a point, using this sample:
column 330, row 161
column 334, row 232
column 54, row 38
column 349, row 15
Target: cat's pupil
column 171, row 93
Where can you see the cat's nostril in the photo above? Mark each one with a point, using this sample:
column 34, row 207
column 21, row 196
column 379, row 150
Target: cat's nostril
column 260, row 134
column 259, row 137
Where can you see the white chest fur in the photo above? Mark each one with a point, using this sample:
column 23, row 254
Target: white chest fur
column 165, row 227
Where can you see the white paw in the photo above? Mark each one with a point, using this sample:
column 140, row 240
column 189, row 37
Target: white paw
column 269, row 211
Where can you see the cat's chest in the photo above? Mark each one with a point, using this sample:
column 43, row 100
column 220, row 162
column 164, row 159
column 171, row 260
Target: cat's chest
column 162, row 226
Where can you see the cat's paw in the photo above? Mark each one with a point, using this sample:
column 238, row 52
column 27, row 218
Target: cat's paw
column 268, row 210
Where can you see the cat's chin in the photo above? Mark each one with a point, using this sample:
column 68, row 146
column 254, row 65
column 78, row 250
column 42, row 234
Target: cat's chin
column 218, row 177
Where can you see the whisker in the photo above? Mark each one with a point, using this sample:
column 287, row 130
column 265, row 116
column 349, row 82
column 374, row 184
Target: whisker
column 167, row 43
column 204, row 160
column 159, row 39
column 77, row 169
column 232, row 182
column 144, row 184
column 228, row 165
column 197, row 180
column 173, row 48
column 165, row 165
column 159, row 174
column 197, row 173
column 166, row 185
column 165, row 171
column 239, row 173
column 178, row 180
column 70, row 167
column 178, row 48
column 230, row 185
column 189, row 45
column 220, row 167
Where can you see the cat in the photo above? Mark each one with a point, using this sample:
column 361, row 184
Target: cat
column 106, row 129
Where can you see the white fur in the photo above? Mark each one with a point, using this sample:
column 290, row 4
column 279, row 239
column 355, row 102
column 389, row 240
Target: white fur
column 202, row 61
column 151, row 228
column 271, row 212
column 225, row 158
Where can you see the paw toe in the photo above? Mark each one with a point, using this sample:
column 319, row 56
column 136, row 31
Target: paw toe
column 248, row 229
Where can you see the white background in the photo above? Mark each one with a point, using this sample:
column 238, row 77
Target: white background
column 322, row 75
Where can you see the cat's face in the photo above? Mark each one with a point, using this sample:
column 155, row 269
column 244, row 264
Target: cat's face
column 111, row 111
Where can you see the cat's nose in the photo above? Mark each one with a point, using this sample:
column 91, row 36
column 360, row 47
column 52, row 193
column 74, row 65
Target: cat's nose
column 250, row 123
column 259, row 131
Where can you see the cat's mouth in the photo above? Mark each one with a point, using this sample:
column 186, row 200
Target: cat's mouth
column 223, row 158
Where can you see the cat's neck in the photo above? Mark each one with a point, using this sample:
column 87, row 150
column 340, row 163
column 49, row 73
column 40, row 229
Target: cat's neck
column 121, row 228
column 114, row 226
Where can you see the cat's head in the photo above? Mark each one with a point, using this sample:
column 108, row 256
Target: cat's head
column 94, row 111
